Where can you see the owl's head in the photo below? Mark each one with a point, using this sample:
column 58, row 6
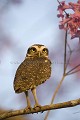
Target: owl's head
column 37, row 50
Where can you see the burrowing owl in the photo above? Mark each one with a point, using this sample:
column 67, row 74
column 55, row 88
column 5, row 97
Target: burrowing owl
column 33, row 71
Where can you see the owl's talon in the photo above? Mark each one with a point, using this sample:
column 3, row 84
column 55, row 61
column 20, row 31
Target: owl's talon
column 37, row 106
column 28, row 108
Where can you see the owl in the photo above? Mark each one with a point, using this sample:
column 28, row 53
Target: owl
column 33, row 71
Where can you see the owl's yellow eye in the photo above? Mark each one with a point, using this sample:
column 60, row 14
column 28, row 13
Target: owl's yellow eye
column 31, row 50
column 45, row 50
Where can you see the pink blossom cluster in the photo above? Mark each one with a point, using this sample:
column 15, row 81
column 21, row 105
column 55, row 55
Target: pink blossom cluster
column 70, row 21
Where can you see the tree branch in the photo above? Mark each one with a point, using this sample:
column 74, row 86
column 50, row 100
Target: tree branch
column 42, row 109
column 65, row 52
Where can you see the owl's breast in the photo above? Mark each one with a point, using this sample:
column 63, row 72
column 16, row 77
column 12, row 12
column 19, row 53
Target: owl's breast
column 39, row 70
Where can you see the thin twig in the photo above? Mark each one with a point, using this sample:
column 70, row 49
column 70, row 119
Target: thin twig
column 69, row 55
column 70, row 71
column 73, row 72
column 40, row 109
column 58, row 2
column 79, row 40
column 69, row 47
column 55, row 92
column 68, row 60
column 65, row 52
column 64, row 10
column 64, row 74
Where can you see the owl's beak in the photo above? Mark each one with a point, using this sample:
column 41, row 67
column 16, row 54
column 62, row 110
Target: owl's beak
column 39, row 53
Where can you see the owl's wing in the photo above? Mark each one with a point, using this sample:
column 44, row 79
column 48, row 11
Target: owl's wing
column 20, row 75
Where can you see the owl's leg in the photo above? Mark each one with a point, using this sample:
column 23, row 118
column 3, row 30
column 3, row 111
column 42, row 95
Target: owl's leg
column 35, row 98
column 28, row 101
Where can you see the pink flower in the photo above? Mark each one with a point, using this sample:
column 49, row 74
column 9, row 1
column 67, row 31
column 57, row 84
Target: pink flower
column 70, row 22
